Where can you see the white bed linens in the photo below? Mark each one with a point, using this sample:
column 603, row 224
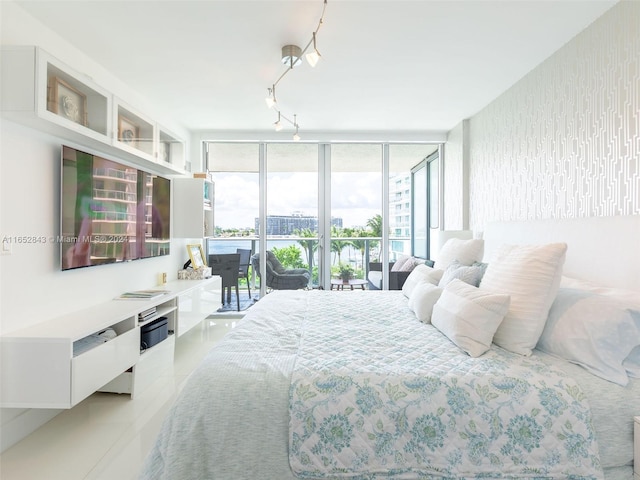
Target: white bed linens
column 231, row 419
column 380, row 393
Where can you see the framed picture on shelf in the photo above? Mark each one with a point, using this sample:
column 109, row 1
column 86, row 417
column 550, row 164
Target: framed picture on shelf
column 66, row 101
column 196, row 255
column 128, row 131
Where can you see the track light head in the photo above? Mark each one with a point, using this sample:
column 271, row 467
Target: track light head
column 270, row 100
column 313, row 56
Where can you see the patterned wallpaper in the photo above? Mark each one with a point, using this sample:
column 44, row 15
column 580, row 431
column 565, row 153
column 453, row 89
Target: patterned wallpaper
column 564, row 141
column 453, row 173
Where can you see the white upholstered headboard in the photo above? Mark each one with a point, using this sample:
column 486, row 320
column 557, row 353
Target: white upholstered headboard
column 602, row 250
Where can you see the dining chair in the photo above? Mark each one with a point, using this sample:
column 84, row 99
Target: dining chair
column 227, row 265
column 245, row 261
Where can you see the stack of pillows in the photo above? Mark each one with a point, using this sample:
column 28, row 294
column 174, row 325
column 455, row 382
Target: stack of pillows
column 505, row 302
column 520, row 301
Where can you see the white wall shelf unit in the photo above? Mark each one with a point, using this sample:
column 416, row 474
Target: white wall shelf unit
column 171, row 150
column 193, row 207
column 42, row 92
column 135, row 132
column 39, row 370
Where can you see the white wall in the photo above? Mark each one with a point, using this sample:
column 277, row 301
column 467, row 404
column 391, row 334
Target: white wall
column 32, row 287
column 564, row 142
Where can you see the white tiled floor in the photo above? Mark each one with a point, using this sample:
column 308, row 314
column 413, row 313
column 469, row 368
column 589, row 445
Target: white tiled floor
column 108, row 436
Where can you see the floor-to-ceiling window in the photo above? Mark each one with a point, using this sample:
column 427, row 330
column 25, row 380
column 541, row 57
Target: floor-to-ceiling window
column 356, row 207
column 359, row 202
column 408, row 199
column 292, row 205
column 235, row 170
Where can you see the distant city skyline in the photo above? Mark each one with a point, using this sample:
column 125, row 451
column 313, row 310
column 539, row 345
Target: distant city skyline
column 356, row 198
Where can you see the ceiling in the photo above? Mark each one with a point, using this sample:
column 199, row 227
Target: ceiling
column 419, row 66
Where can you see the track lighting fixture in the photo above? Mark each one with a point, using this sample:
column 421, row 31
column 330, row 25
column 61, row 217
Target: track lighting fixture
column 292, row 57
column 271, row 98
column 296, row 137
column 294, row 123
column 278, row 124
column 313, row 56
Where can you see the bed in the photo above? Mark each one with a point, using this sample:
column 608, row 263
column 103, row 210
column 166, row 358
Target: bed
column 320, row 384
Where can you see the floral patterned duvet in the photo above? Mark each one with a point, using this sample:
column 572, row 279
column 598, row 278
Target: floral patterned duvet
column 376, row 394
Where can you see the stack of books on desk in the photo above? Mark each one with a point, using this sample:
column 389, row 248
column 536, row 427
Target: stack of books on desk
column 142, row 294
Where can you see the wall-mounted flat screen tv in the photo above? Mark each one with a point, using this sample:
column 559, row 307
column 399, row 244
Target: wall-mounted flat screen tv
column 111, row 212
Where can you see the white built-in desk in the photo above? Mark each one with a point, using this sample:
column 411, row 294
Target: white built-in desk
column 38, row 368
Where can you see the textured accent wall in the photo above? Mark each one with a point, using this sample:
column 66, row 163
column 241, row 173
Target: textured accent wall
column 564, row 142
column 453, row 180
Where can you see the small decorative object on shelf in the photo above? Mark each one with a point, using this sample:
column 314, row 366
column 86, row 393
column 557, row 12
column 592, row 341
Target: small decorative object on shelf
column 66, row 101
column 127, row 131
column 196, row 255
column 194, row 273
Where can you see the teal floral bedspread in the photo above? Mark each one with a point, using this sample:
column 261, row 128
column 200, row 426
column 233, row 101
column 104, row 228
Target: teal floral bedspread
column 377, row 394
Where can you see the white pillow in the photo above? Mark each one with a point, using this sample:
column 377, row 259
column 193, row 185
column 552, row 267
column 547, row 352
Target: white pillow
column 422, row 299
column 594, row 331
column 629, row 297
column 530, row 274
column 399, row 263
column 464, row 251
column 468, row 274
column 469, row 316
column 421, row 274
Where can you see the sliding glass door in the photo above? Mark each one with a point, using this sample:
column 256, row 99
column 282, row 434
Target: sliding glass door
column 292, row 205
column 356, row 209
column 329, row 208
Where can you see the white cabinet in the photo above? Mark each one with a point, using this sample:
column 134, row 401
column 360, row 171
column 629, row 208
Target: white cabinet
column 192, row 207
column 135, row 132
column 38, row 367
column 171, row 150
column 42, row 92
column 197, row 304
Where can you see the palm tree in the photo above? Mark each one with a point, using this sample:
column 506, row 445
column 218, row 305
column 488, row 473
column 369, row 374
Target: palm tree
column 309, row 246
column 375, row 224
column 338, row 245
column 360, row 245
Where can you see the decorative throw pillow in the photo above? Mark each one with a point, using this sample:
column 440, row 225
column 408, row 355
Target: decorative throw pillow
column 597, row 332
column 530, row 274
column 409, row 265
column 421, row 274
column 465, row 251
column 469, row 316
column 469, row 274
column 422, row 299
column 399, row 263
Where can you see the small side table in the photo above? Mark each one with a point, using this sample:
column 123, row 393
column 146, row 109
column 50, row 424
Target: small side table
column 340, row 284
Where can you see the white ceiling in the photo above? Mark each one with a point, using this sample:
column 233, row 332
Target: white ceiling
column 386, row 65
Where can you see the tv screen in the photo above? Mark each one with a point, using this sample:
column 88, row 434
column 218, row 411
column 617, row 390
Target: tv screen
column 111, row 212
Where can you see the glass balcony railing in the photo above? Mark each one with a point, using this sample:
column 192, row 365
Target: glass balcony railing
column 294, row 251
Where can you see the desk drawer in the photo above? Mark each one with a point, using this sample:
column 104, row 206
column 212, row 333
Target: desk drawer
column 100, row 365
